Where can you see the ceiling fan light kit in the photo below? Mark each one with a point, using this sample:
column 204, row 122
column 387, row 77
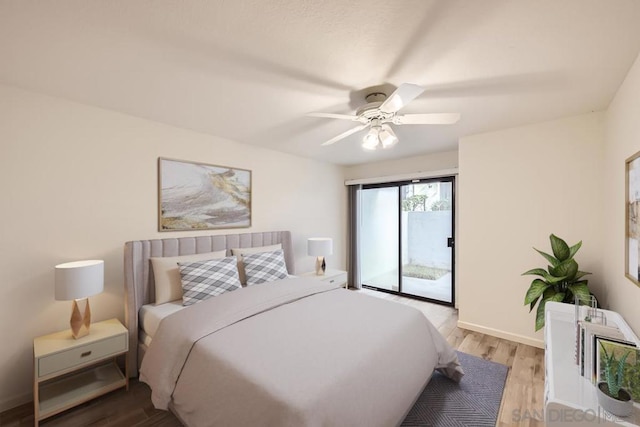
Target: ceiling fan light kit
column 387, row 137
column 380, row 111
column 379, row 136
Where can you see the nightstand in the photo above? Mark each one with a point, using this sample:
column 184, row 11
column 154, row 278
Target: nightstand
column 339, row 277
column 68, row 371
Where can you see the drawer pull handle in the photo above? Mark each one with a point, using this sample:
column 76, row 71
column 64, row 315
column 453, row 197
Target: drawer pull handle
column 86, row 353
column 332, row 280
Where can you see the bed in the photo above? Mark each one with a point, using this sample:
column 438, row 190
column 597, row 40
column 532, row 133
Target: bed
column 295, row 351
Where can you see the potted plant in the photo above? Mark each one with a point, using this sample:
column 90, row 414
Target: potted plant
column 562, row 281
column 611, row 396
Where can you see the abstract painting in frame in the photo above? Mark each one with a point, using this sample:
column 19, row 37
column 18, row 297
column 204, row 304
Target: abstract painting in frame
column 633, row 218
column 198, row 196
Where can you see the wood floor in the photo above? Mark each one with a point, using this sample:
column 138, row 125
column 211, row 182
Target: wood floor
column 521, row 402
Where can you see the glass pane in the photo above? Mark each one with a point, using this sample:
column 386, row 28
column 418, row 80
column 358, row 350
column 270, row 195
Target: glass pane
column 379, row 238
column 426, row 225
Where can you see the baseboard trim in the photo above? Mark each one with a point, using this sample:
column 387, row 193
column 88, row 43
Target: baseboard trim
column 501, row 334
column 14, row 402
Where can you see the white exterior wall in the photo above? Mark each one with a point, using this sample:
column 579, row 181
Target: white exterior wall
column 427, row 234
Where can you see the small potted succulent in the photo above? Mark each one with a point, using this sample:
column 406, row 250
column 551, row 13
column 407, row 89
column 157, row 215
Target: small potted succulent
column 611, row 396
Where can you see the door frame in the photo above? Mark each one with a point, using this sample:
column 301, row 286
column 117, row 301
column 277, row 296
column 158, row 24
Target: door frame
column 399, row 184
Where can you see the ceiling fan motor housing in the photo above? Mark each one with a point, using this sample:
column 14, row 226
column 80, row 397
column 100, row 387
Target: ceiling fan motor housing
column 376, row 97
column 371, row 110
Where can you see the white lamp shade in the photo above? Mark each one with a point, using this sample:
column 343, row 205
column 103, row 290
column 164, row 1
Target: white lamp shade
column 320, row 246
column 79, row 279
column 370, row 140
column 387, row 137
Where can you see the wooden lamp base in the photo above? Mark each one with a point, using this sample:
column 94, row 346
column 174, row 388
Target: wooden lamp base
column 321, row 266
column 80, row 323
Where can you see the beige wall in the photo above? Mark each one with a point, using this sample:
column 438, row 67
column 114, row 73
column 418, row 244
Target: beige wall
column 425, row 163
column 518, row 186
column 77, row 182
column 622, row 140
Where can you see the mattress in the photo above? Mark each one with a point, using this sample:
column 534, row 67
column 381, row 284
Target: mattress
column 150, row 316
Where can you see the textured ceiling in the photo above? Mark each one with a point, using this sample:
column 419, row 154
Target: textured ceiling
column 249, row 71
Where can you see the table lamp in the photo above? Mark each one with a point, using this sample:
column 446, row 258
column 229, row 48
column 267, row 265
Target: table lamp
column 320, row 247
column 77, row 281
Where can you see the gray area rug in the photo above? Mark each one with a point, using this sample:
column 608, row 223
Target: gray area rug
column 475, row 401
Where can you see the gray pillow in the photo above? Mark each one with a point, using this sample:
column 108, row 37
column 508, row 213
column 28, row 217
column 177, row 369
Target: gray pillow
column 264, row 267
column 245, row 251
column 205, row 279
column 167, row 275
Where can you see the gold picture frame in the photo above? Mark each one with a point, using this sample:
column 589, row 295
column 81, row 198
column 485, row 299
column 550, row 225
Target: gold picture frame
column 201, row 196
column 632, row 218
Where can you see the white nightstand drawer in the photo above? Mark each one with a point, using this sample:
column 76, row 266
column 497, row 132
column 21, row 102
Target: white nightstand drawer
column 339, row 279
column 335, row 277
column 80, row 355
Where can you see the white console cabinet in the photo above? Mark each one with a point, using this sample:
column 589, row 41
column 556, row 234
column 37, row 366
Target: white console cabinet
column 570, row 399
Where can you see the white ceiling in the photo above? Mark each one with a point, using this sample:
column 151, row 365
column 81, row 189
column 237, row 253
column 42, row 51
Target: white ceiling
column 250, row 70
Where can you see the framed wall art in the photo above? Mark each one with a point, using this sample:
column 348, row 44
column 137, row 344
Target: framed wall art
column 632, row 218
column 199, row 196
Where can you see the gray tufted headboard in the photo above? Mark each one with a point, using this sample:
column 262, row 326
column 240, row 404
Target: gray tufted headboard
column 139, row 285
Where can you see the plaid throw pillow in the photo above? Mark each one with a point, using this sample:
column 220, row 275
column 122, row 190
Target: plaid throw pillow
column 264, row 267
column 206, row 279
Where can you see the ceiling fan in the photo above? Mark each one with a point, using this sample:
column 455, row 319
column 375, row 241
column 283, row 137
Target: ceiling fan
column 380, row 112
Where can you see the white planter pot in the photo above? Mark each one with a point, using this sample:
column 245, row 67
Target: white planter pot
column 620, row 408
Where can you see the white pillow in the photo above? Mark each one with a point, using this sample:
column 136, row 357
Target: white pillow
column 264, row 267
column 167, row 275
column 202, row 280
column 238, row 252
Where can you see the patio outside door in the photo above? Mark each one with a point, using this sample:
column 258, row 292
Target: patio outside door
column 407, row 238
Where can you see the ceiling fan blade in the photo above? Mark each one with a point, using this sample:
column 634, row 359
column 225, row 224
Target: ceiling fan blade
column 427, row 119
column 405, row 93
column 345, row 134
column 334, row 116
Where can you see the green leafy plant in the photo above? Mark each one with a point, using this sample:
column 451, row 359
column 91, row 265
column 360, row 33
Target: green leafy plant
column 417, row 202
column 561, row 281
column 441, row 205
column 614, row 372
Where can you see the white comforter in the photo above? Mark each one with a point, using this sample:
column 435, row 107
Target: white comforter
column 295, row 352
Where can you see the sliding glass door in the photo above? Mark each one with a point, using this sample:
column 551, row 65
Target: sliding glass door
column 406, row 244
column 379, row 238
column 427, row 240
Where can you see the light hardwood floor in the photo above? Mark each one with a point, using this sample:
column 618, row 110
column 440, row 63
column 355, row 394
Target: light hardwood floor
column 521, row 401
